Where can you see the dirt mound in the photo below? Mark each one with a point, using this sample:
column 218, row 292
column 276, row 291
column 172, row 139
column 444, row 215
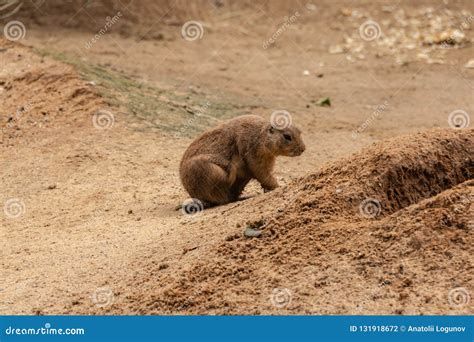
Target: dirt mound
column 390, row 175
column 38, row 93
column 408, row 252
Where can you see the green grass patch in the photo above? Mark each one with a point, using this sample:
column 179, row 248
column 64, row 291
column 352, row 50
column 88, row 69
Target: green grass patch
column 148, row 106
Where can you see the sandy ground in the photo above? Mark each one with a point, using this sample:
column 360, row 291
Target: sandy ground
column 97, row 230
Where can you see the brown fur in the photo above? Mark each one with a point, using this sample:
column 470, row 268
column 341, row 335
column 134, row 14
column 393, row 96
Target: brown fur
column 217, row 166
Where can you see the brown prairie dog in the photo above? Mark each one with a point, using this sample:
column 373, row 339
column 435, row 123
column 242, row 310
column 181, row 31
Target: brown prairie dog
column 217, row 166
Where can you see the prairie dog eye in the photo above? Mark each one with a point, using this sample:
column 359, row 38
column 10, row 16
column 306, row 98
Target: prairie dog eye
column 287, row 137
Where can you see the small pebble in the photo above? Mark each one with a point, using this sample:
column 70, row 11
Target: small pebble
column 470, row 64
column 250, row 232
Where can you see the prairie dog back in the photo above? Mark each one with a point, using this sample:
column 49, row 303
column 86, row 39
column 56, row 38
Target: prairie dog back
column 219, row 163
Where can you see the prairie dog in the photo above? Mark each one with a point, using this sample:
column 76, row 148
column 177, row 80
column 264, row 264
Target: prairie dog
column 217, row 166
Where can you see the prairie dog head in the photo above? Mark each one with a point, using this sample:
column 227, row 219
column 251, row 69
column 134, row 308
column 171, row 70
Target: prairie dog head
column 285, row 141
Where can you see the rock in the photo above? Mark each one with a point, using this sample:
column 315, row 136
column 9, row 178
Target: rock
column 435, row 61
column 163, row 267
column 347, row 12
column 450, row 37
column 334, row 49
column 250, row 232
column 324, row 102
column 469, row 64
column 422, row 55
column 388, row 9
column 425, row 34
